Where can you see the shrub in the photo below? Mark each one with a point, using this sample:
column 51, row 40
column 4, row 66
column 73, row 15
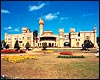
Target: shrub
column 5, row 77
column 66, row 53
column 71, row 56
column 44, row 46
column 27, row 45
column 7, row 46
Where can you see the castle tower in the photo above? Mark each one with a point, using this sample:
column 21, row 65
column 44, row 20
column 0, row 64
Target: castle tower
column 61, row 37
column 61, row 32
column 41, row 23
column 72, row 37
column 95, row 39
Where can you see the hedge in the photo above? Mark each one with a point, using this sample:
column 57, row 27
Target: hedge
column 71, row 56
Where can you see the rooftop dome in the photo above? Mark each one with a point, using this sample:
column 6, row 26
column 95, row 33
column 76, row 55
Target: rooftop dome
column 41, row 21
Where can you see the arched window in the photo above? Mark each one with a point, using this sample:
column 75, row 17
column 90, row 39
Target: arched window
column 52, row 44
column 49, row 44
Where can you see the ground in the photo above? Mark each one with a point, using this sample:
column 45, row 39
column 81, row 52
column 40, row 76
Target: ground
column 50, row 67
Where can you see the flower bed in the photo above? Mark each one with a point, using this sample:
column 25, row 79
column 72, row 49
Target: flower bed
column 8, row 51
column 66, row 53
column 15, row 59
column 70, row 56
column 49, row 51
column 12, row 51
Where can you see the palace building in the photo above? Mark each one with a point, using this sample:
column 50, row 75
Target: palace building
column 72, row 39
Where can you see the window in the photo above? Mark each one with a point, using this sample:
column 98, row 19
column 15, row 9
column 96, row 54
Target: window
column 20, row 41
column 15, row 38
column 38, row 44
column 23, row 44
column 28, row 38
column 87, row 37
column 77, row 44
column 19, row 38
column 78, row 39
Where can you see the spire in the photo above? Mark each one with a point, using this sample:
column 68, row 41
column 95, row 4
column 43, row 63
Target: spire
column 94, row 28
column 41, row 21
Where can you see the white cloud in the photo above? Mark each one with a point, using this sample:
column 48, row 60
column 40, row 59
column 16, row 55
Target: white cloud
column 16, row 30
column 88, row 14
column 11, row 29
column 64, row 18
column 32, row 8
column 8, row 28
column 5, row 11
column 51, row 16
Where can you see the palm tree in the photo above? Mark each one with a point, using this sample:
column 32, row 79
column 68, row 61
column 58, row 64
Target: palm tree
column 17, row 45
column 35, row 34
column 3, row 43
column 27, row 45
column 7, row 46
column 87, row 44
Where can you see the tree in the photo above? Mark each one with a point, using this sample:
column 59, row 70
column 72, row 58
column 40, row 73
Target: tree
column 87, row 44
column 7, row 46
column 3, row 43
column 44, row 45
column 98, row 40
column 16, row 45
column 27, row 45
column 35, row 34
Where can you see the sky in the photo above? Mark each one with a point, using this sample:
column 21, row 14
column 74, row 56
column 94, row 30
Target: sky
column 81, row 15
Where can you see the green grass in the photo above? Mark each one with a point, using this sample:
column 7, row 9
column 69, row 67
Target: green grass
column 77, row 70
column 74, row 50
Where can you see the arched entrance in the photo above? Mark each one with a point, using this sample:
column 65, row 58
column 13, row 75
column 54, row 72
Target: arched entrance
column 44, row 44
column 49, row 44
column 66, row 44
column 52, row 44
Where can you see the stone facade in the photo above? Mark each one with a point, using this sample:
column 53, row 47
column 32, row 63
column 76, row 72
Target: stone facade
column 75, row 39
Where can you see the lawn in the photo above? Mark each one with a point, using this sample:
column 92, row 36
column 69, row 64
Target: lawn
column 50, row 67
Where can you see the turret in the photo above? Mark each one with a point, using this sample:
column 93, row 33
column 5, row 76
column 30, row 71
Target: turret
column 94, row 28
column 41, row 23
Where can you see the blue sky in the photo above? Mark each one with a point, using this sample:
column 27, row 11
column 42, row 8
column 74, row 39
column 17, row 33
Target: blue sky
column 81, row 15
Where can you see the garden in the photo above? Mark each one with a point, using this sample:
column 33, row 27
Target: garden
column 53, row 65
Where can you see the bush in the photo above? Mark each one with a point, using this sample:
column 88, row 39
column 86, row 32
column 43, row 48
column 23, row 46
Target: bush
column 44, row 46
column 71, row 56
column 27, row 45
column 5, row 77
column 66, row 53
